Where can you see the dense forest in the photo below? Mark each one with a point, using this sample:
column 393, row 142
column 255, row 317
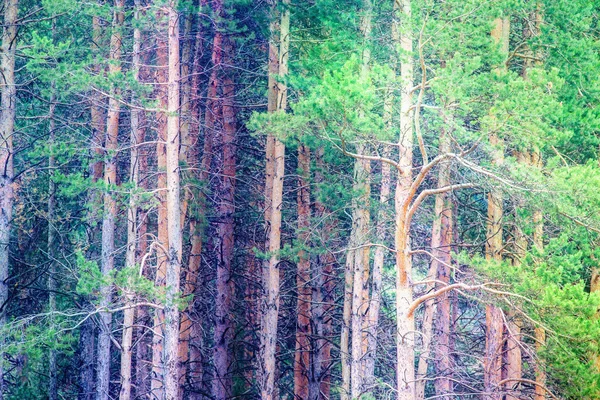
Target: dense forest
column 285, row 199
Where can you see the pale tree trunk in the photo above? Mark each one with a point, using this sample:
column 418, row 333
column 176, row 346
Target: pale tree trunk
column 383, row 220
column 273, row 71
column 303, row 284
column 494, row 245
column 171, row 330
column 136, row 137
column 362, row 171
column 442, row 260
column 441, row 238
column 161, row 80
column 185, row 119
column 53, row 384
column 361, row 223
column 223, row 334
column 346, row 320
column 271, row 281
column 7, row 124
column 110, row 207
column 405, row 368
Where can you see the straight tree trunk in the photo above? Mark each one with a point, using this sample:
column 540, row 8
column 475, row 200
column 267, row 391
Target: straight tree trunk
column 494, row 318
column 405, row 373
column 439, row 327
column 188, row 139
column 142, row 334
column 161, row 78
column 513, row 370
column 271, row 282
column 110, row 207
column 346, row 320
column 225, row 234
column 173, row 273
column 323, row 276
column 191, row 333
column 383, row 219
column 136, row 137
column 361, row 222
column 441, row 261
column 87, row 337
column 272, row 94
column 303, row 283
column 7, row 123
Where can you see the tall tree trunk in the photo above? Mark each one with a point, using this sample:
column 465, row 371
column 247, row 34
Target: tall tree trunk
column 267, row 273
column 303, row 283
column 494, row 318
column 53, row 384
column 361, row 222
column 161, row 79
column 405, row 323
column 346, row 319
column 271, row 281
column 136, row 137
column 438, row 327
column 513, row 369
column 191, row 333
column 7, row 125
column 383, row 219
column 87, row 334
column 189, row 138
column 171, row 330
column 441, row 247
column 110, row 207
column 142, row 335
column 225, row 233
column 323, row 288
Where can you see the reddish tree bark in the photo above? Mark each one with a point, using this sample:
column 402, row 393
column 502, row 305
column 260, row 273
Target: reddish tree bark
column 303, row 309
column 225, row 233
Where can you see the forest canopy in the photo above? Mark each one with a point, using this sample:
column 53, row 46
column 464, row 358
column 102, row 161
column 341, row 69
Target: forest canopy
column 283, row 199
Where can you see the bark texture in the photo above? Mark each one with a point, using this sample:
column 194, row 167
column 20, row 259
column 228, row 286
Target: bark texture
column 110, row 207
column 271, row 278
column 136, row 137
column 7, row 124
column 405, row 368
column 225, row 233
column 173, row 273
column 161, row 76
column 494, row 247
column 303, row 309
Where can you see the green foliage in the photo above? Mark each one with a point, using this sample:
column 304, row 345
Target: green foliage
column 90, row 277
